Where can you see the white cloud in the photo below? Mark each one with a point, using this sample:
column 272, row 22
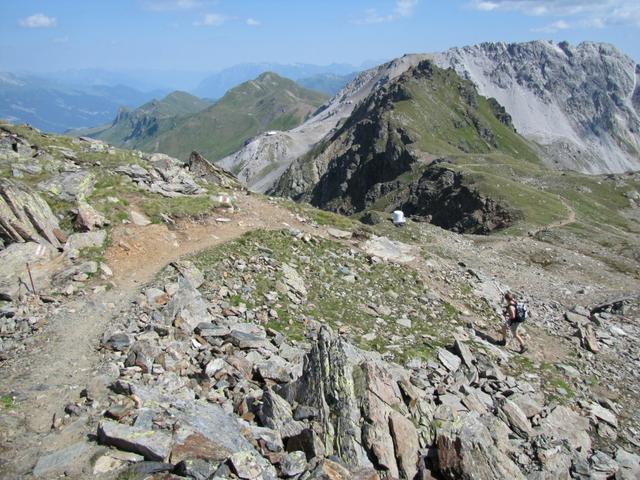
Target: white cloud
column 402, row 9
column 38, row 20
column 584, row 13
column 169, row 5
column 252, row 22
column 553, row 27
column 211, row 20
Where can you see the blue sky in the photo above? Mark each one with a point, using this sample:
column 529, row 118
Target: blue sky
column 205, row 35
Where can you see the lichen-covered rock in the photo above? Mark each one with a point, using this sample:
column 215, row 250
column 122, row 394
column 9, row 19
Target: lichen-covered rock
column 25, row 216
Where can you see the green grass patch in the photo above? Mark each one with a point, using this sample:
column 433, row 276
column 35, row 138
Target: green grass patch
column 7, row 402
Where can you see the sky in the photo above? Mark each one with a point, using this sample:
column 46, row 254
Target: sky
column 208, row 35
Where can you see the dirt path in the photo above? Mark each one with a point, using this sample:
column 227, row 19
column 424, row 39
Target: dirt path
column 570, row 218
column 65, row 358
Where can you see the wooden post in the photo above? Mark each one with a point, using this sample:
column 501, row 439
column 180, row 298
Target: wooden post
column 33, row 288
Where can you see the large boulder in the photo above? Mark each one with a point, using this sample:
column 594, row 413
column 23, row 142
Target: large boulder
column 202, row 168
column 25, row 216
column 466, row 451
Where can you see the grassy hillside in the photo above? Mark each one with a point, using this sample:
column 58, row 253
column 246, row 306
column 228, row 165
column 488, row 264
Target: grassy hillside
column 269, row 102
column 181, row 123
column 135, row 129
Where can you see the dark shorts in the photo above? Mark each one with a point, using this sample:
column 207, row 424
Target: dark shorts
column 513, row 326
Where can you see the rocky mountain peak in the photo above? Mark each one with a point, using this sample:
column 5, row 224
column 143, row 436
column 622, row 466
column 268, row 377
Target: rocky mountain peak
column 575, row 101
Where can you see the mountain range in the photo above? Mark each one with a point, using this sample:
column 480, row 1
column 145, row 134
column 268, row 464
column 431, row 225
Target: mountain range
column 181, row 123
column 577, row 107
column 56, row 106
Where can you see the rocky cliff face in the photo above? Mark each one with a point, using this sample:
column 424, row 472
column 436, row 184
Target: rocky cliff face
column 577, row 102
column 376, row 158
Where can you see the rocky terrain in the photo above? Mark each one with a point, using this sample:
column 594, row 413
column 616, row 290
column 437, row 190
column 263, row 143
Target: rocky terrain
column 574, row 104
column 183, row 327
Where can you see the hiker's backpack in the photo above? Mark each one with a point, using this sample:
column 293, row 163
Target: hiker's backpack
column 521, row 312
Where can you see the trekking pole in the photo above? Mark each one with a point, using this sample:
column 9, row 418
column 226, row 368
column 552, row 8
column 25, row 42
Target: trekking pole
column 33, row 288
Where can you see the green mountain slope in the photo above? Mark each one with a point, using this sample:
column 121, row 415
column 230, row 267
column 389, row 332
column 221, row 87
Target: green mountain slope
column 136, row 128
column 181, row 123
column 269, row 102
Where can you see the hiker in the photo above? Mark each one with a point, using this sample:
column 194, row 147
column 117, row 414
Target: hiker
column 514, row 314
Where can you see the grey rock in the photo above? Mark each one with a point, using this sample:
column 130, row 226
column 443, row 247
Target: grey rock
column 530, row 404
column 88, row 218
column 275, row 413
column 186, row 309
column 565, row 424
column 463, row 351
column 466, row 451
column 154, row 445
column 294, row 280
column 448, row 359
column 200, row 167
column 515, row 418
column 118, row 341
column 14, row 280
column 629, row 464
column 65, row 460
column 197, row 468
column 70, row 186
column 77, row 241
column 604, row 464
column 189, row 272
column 576, row 319
column 245, row 466
column 294, row 464
column 138, row 218
column 405, row 440
column 603, row 414
column 588, row 338
column 25, row 216
column 149, row 468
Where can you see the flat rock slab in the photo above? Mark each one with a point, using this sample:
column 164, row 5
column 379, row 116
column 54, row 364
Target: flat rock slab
column 565, row 424
column 449, row 360
column 341, row 234
column 139, row 219
column 65, row 460
column 603, row 414
column 154, row 445
column 77, row 241
column 388, row 250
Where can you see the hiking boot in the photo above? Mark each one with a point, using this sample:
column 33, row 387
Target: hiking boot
column 502, row 343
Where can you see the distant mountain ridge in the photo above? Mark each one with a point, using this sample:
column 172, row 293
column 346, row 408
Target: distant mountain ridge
column 57, row 107
column 216, row 84
column 181, row 123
